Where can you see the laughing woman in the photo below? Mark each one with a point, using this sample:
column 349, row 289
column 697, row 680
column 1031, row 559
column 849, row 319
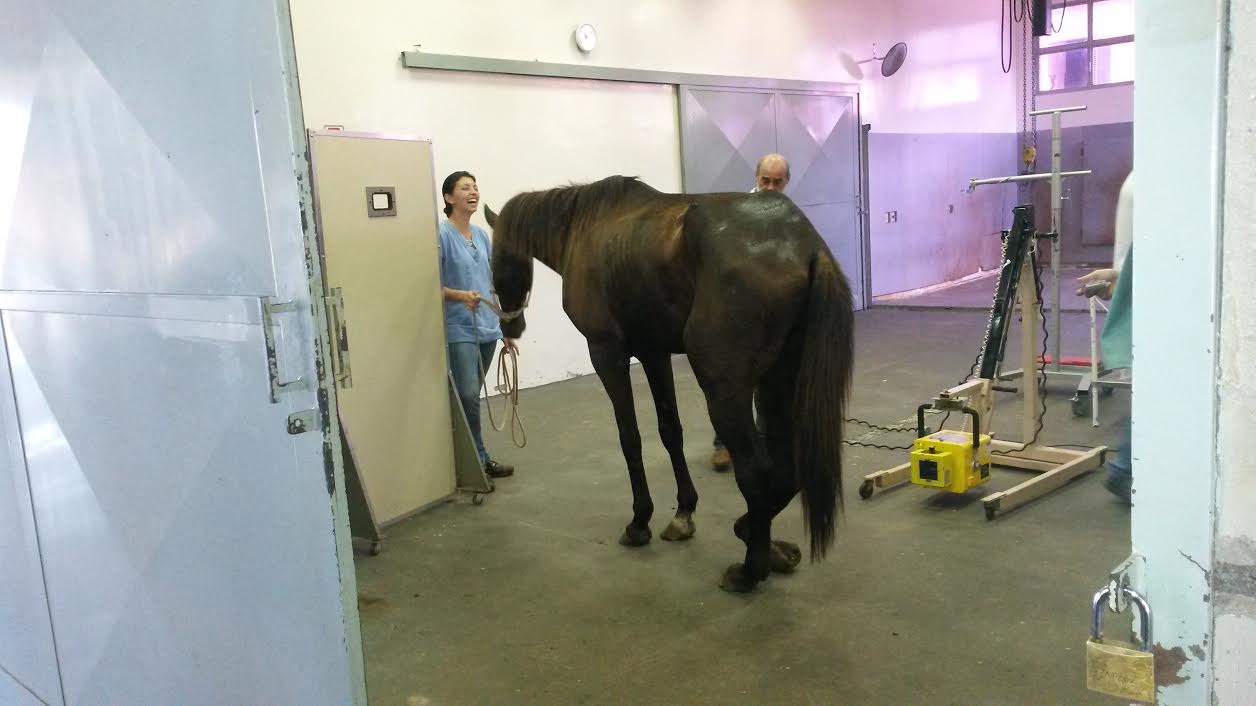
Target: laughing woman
column 472, row 330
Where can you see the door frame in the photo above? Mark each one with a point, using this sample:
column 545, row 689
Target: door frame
column 333, row 459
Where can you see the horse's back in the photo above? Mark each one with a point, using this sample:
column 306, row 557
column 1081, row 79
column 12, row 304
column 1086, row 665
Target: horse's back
column 751, row 245
column 751, row 257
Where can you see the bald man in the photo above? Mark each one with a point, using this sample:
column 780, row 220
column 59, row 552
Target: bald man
column 771, row 174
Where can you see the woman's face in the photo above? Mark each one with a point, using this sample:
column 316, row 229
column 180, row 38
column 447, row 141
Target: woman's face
column 465, row 197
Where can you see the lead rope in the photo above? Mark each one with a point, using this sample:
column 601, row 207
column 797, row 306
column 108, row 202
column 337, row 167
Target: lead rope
column 507, row 384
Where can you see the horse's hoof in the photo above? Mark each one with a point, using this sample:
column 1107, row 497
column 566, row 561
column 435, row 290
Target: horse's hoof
column 736, row 580
column 681, row 528
column 634, row 537
column 785, row 557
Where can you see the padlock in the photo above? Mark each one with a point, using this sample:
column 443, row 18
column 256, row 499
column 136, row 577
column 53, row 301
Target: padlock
column 1118, row 668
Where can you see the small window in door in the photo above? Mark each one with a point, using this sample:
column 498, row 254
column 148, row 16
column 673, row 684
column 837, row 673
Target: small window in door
column 381, row 201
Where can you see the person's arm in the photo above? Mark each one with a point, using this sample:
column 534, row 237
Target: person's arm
column 1123, row 235
column 1102, row 282
column 470, row 299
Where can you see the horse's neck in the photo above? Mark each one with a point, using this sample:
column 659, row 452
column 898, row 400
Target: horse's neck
column 551, row 251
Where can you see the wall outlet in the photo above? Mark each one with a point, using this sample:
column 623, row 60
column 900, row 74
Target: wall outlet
column 950, row 208
column 891, row 216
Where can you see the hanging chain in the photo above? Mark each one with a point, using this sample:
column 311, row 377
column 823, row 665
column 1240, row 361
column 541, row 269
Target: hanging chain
column 1025, row 118
column 1031, row 67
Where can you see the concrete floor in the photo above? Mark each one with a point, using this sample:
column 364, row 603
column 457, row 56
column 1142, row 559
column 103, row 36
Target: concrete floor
column 975, row 294
column 528, row 599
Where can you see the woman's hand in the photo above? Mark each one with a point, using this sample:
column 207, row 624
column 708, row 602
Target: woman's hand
column 511, row 345
column 471, row 299
column 1104, row 281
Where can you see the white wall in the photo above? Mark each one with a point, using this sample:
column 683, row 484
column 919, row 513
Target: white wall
column 952, row 82
column 1234, row 571
column 520, row 133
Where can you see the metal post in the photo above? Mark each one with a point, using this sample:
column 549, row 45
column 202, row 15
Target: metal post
column 1056, row 207
column 1094, row 366
column 1056, row 176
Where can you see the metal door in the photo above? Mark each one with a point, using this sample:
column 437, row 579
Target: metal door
column 382, row 259
column 179, row 534
column 819, row 135
column 725, row 131
column 723, row 134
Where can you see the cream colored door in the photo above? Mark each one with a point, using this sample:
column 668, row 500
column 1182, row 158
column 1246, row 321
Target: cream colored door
column 376, row 200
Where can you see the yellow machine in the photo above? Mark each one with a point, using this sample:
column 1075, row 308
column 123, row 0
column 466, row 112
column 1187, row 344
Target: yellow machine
column 950, row 460
column 947, row 460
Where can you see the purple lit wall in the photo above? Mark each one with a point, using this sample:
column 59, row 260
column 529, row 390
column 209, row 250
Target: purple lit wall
column 948, row 115
column 951, row 114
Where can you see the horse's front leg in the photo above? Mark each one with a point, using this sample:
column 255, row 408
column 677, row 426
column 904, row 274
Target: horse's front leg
column 611, row 365
column 658, row 370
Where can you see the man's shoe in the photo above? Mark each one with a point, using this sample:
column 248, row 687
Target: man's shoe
column 721, row 460
column 1120, row 486
column 498, row 470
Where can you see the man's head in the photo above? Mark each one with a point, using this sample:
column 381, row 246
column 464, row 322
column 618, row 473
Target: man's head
column 772, row 174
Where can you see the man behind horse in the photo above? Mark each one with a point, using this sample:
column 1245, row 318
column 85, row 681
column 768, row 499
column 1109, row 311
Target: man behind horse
column 771, row 174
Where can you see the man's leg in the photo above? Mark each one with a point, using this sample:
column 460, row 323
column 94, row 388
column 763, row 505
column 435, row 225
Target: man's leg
column 1120, row 478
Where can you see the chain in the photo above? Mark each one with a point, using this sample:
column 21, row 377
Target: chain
column 879, row 427
column 909, row 447
column 1025, row 117
column 985, row 341
column 884, row 428
column 1032, row 69
column 1029, row 103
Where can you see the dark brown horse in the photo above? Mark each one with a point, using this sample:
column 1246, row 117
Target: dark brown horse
column 745, row 286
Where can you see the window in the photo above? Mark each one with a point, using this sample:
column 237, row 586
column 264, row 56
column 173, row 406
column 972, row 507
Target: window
column 1089, row 43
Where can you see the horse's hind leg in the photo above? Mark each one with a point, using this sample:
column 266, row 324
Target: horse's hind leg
column 734, row 422
column 658, row 370
column 612, row 367
column 775, row 400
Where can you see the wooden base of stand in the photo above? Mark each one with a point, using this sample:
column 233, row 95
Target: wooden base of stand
column 1055, row 468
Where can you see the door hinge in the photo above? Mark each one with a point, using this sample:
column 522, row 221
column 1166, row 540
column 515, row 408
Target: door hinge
column 303, row 421
column 270, row 307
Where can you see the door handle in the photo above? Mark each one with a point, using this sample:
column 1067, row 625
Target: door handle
column 341, row 370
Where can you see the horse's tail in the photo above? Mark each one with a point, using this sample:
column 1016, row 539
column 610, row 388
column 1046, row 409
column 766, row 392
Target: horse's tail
column 820, row 396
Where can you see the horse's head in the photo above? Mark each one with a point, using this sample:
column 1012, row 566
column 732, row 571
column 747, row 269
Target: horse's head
column 512, row 273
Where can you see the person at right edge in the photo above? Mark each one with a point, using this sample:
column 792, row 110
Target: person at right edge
column 1118, row 328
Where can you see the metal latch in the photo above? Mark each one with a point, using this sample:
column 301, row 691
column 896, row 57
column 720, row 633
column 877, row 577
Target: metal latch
column 269, row 309
column 342, row 371
column 303, row 421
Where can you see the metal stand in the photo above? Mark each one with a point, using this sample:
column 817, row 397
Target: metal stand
column 1055, row 369
column 1055, row 466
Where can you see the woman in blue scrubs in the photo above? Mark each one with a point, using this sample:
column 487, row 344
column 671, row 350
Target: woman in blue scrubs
column 471, row 330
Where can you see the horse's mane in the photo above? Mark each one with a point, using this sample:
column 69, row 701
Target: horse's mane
column 538, row 222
